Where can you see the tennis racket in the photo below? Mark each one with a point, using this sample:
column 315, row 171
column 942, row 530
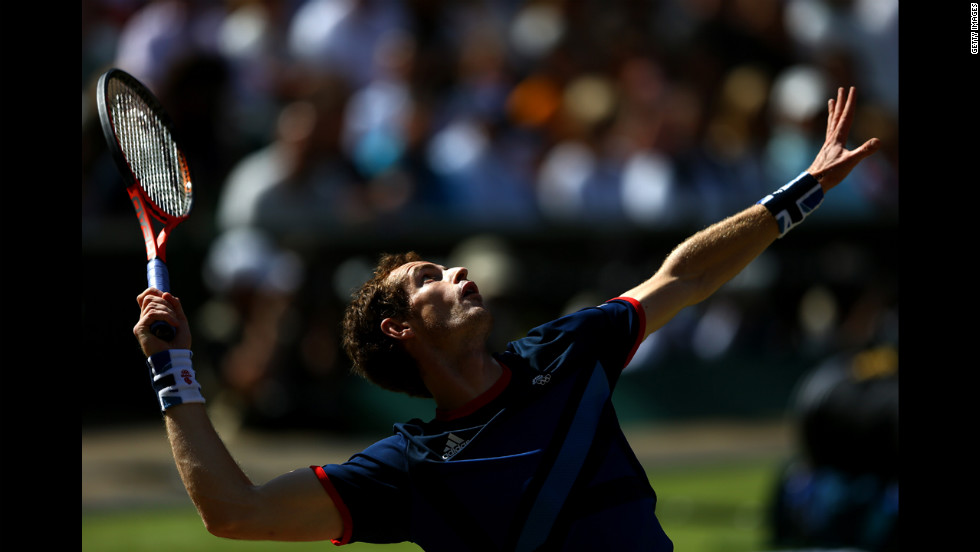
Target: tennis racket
column 141, row 140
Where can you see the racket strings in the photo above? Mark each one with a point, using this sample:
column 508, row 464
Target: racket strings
column 151, row 152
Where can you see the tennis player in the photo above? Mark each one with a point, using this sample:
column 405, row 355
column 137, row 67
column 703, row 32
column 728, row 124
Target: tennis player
column 524, row 451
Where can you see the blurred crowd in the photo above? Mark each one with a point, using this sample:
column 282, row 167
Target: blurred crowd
column 642, row 111
column 335, row 121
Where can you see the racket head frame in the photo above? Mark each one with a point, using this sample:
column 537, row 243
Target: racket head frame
column 146, row 208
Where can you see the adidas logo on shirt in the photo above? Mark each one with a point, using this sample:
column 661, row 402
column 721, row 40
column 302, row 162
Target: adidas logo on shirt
column 453, row 445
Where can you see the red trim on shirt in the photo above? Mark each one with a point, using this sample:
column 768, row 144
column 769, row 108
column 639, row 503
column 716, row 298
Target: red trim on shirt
column 643, row 325
column 484, row 399
column 345, row 517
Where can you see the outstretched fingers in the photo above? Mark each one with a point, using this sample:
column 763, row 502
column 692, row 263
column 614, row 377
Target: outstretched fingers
column 834, row 161
column 831, row 118
column 840, row 115
column 847, row 113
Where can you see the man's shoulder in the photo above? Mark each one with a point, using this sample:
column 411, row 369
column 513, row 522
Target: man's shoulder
column 604, row 327
column 390, row 450
column 588, row 316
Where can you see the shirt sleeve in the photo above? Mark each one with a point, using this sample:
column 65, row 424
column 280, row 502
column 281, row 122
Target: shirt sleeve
column 636, row 320
column 371, row 492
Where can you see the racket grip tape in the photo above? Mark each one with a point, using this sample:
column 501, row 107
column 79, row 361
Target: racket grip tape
column 158, row 277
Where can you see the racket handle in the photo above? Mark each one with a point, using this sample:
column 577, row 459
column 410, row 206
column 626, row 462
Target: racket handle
column 157, row 276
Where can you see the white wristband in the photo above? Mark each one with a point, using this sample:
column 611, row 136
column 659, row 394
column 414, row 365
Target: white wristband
column 173, row 378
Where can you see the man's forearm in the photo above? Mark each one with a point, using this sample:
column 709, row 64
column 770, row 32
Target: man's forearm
column 701, row 264
column 211, row 476
column 291, row 507
column 715, row 255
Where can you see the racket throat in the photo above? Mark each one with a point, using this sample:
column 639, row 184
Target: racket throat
column 156, row 244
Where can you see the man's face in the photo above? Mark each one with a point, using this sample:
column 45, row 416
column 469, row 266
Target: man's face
column 442, row 300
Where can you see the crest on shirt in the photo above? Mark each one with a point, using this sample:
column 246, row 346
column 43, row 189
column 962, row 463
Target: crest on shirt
column 541, row 380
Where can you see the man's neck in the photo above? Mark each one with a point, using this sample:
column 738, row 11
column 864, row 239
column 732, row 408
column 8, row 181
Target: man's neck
column 456, row 383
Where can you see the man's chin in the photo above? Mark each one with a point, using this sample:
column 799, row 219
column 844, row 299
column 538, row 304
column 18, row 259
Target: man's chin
column 483, row 314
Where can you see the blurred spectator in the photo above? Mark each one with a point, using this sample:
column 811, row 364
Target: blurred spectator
column 272, row 346
column 165, row 31
column 384, row 127
column 249, row 322
column 344, row 35
column 253, row 40
column 302, row 183
column 377, row 116
column 843, row 490
column 865, row 30
column 482, row 176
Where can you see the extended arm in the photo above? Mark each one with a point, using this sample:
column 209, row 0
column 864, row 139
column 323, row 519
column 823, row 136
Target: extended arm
column 707, row 260
column 291, row 507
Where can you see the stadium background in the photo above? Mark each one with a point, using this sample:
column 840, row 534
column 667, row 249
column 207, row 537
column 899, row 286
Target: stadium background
column 557, row 149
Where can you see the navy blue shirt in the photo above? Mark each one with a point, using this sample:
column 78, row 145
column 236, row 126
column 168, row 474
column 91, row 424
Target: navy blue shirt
column 538, row 462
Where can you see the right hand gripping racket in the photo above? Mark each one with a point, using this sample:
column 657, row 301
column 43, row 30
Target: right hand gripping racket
column 141, row 140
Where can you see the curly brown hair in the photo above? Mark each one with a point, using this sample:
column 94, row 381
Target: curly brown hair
column 375, row 356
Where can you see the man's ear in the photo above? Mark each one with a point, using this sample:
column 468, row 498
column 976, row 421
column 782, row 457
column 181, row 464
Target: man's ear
column 396, row 329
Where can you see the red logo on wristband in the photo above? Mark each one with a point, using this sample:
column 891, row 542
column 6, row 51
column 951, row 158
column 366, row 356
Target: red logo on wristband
column 186, row 374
